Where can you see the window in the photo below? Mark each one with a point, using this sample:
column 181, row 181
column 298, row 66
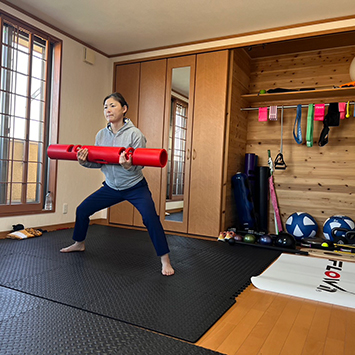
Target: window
column 177, row 148
column 29, row 79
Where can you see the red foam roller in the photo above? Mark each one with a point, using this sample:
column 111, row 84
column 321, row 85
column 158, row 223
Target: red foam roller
column 110, row 155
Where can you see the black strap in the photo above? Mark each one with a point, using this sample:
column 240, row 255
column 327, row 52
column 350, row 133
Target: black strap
column 331, row 119
column 323, row 139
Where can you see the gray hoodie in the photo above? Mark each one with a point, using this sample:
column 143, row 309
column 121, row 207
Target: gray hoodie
column 117, row 177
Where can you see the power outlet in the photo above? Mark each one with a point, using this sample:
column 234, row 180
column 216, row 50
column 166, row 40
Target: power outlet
column 65, row 208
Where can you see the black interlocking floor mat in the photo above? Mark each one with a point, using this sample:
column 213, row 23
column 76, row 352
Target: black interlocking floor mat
column 32, row 325
column 118, row 276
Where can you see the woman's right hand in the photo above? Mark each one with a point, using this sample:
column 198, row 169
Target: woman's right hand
column 82, row 155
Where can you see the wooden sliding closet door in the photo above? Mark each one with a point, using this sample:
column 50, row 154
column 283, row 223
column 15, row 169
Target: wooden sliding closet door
column 208, row 143
column 151, row 121
column 126, row 83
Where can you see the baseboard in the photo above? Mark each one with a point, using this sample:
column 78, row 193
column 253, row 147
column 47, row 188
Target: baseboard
column 104, row 222
column 54, row 227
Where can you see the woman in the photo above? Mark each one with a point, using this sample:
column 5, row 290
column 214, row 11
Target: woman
column 123, row 181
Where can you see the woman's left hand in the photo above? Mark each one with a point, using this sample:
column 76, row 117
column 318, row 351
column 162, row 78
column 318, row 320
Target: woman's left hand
column 124, row 161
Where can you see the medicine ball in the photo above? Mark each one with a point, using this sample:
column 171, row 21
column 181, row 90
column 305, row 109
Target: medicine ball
column 265, row 240
column 301, row 225
column 285, row 240
column 337, row 226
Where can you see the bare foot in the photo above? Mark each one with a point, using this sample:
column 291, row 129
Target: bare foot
column 77, row 246
column 167, row 269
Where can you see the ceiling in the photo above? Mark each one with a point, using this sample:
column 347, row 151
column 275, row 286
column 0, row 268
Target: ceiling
column 115, row 27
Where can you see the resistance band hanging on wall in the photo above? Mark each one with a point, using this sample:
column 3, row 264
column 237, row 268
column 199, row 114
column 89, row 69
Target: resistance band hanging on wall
column 298, row 134
column 336, row 111
column 332, row 119
column 310, row 125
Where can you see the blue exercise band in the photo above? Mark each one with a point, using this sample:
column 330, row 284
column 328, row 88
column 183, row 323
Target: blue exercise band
column 298, row 136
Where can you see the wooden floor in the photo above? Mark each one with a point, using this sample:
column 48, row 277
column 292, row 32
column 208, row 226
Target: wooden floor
column 268, row 323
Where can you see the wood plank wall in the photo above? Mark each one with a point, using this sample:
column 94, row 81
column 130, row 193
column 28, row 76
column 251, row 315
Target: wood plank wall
column 312, row 69
column 318, row 180
column 237, row 132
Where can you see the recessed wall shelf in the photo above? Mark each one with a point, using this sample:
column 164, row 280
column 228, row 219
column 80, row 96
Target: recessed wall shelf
column 339, row 93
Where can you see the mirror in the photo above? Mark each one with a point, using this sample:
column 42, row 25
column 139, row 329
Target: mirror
column 180, row 92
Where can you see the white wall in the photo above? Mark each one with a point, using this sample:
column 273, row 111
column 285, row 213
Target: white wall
column 83, row 88
column 266, row 36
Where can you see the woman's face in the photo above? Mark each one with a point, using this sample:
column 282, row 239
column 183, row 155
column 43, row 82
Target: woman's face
column 113, row 111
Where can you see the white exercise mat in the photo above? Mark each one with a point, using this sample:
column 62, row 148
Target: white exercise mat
column 317, row 279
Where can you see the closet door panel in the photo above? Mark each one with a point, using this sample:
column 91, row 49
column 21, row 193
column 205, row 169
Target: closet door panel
column 208, row 143
column 126, row 83
column 151, row 121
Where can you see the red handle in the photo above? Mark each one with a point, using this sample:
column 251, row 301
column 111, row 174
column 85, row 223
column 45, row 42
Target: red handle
column 129, row 152
column 76, row 148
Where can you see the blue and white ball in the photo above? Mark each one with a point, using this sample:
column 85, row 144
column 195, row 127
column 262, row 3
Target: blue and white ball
column 301, row 225
column 337, row 221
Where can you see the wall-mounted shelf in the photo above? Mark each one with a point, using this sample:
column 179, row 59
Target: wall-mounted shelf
column 339, row 93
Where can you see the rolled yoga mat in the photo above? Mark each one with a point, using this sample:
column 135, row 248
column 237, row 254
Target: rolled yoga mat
column 244, row 202
column 250, row 165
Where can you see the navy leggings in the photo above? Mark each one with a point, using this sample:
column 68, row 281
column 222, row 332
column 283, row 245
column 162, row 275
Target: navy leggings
column 139, row 196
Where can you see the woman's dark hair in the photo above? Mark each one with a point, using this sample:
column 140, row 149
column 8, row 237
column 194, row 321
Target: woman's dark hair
column 118, row 97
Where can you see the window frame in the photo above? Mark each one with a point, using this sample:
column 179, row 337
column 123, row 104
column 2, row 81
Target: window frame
column 51, row 119
column 170, row 195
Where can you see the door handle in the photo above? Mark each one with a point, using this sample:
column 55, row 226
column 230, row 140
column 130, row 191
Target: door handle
column 193, row 154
